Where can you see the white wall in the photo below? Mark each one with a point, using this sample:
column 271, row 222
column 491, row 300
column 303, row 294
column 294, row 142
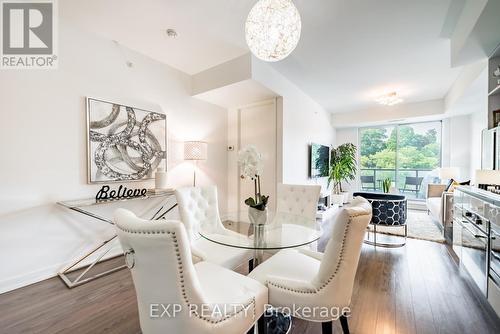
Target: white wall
column 456, row 145
column 478, row 122
column 300, row 120
column 43, row 145
column 472, row 83
column 469, row 96
column 303, row 122
column 349, row 135
column 257, row 126
column 379, row 115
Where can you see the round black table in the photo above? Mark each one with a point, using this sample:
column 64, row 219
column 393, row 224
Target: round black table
column 389, row 210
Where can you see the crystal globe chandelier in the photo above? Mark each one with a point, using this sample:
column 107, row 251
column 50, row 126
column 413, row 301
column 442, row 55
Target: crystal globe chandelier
column 273, row 29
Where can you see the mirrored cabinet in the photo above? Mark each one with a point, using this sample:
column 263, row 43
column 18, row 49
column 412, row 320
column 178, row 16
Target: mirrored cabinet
column 476, row 239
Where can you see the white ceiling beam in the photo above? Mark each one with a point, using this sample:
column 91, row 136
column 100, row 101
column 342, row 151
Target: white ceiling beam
column 452, row 17
column 476, row 33
column 467, row 77
column 427, row 110
column 225, row 74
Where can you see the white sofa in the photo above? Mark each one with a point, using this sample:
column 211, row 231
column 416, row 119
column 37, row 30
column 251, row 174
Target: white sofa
column 439, row 205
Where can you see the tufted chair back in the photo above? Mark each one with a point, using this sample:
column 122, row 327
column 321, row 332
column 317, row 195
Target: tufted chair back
column 300, row 200
column 303, row 278
column 198, row 205
column 162, row 270
column 340, row 260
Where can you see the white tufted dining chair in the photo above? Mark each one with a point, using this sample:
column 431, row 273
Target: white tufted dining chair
column 298, row 200
column 198, row 205
column 202, row 297
column 319, row 281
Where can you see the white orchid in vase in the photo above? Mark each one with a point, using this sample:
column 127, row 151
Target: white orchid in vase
column 251, row 167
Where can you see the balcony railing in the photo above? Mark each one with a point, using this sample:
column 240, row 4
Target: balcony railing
column 408, row 181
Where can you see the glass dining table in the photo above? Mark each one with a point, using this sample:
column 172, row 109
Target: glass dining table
column 281, row 230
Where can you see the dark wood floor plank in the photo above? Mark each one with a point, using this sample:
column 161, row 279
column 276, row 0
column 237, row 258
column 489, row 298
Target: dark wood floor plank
column 404, row 312
column 414, row 289
column 362, row 275
column 365, row 306
column 424, row 318
column 439, row 292
column 386, row 316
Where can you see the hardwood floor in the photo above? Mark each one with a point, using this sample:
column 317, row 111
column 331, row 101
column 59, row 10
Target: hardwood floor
column 414, row 289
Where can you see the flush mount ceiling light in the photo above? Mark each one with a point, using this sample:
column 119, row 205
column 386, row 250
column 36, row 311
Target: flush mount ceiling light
column 389, row 99
column 273, row 29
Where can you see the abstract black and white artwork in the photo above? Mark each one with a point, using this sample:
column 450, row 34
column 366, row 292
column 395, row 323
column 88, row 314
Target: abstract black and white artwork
column 124, row 143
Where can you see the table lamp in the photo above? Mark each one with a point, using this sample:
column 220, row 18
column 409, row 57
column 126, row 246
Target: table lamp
column 195, row 151
column 448, row 173
column 485, row 178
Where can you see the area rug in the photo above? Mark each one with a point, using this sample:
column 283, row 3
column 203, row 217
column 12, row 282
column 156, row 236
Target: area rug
column 420, row 226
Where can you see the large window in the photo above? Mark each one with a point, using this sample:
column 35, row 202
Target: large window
column 404, row 153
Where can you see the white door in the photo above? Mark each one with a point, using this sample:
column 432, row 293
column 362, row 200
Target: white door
column 257, row 126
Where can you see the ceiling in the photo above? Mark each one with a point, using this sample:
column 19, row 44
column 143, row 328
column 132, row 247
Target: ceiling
column 350, row 51
column 210, row 32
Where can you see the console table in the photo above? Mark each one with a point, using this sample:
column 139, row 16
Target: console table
column 153, row 207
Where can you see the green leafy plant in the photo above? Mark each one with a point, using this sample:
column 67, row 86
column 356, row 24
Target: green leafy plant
column 259, row 202
column 386, row 184
column 343, row 166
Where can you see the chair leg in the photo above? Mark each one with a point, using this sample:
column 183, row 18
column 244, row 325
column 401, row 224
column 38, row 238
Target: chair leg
column 344, row 324
column 261, row 325
column 326, row 327
column 250, row 265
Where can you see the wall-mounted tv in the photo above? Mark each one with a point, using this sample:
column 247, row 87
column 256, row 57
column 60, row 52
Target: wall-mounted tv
column 319, row 160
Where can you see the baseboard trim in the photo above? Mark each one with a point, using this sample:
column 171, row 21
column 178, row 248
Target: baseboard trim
column 42, row 274
column 417, row 205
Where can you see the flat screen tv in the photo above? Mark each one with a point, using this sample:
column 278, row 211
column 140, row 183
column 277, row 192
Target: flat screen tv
column 319, row 160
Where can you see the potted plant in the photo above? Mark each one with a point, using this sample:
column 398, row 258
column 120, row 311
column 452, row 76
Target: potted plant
column 342, row 168
column 386, row 185
column 251, row 167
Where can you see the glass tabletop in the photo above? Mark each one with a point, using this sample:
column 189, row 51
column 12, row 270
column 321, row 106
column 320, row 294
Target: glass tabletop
column 282, row 230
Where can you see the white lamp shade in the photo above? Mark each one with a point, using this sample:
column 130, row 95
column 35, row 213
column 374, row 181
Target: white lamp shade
column 195, row 150
column 448, row 173
column 485, row 176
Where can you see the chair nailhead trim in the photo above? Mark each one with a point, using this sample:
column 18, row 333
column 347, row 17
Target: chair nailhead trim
column 180, row 268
